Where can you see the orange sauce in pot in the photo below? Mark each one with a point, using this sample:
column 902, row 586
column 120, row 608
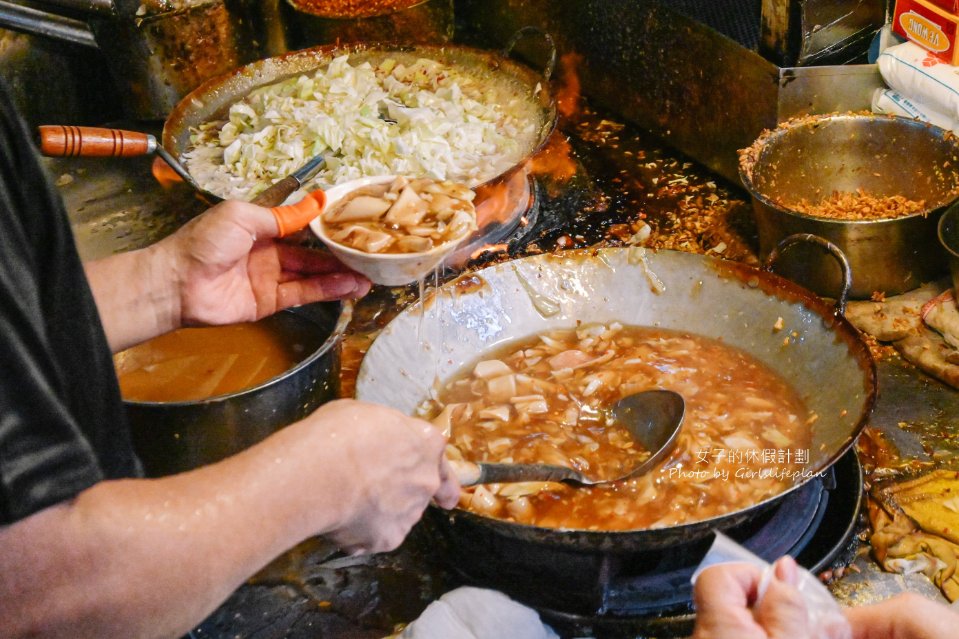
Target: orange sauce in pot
column 197, row 363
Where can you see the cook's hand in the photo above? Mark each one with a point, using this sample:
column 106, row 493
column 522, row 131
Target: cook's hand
column 229, row 268
column 726, row 606
column 906, row 616
column 390, row 467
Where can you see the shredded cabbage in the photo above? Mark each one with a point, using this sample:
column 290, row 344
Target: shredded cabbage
column 420, row 119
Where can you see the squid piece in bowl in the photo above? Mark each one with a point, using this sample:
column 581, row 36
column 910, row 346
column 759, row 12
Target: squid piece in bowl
column 395, row 230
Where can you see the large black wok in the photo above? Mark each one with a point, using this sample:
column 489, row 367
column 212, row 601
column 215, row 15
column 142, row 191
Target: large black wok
column 818, row 351
column 214, row 97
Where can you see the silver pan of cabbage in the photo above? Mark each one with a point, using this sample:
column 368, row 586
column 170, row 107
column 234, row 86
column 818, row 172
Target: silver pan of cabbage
column 446, row 112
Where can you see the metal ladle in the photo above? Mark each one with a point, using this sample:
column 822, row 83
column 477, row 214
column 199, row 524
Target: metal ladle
column 652, row 417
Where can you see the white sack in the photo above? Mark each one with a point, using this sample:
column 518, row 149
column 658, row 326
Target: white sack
column 926, row 79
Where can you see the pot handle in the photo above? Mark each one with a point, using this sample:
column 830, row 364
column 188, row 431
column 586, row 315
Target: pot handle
column 833, row 250
column 531, row 30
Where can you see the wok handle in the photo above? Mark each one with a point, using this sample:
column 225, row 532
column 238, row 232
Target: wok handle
column 833, row 250
column 87, row 141
column 531, row 30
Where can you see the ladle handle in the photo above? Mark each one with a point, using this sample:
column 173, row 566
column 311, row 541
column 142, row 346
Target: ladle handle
column 278, row 192
column 470, row 474
column 59, row 140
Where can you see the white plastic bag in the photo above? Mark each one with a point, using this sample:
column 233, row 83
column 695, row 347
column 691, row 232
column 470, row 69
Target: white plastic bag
column 913, row 71
column 477, row 613
column 892, row 102
column 823, row 615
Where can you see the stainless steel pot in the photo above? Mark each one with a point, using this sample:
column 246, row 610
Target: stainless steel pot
column 884, row 155
column 826, row 360
column 172, row 437
column 160, row 56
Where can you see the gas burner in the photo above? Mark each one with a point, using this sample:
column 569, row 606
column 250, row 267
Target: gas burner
column 649, row 593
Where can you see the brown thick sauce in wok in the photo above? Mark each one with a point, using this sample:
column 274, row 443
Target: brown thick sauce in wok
column 745, row 437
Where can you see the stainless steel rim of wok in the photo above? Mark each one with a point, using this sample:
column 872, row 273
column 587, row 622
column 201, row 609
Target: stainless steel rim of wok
column 822, row 356
column 653, row 419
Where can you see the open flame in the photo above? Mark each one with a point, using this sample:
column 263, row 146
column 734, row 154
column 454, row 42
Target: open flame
column 555, row 161
column 165, row 175
column 568, row 87
column 499, row 202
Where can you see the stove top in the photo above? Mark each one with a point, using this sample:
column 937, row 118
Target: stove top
column 599, row 182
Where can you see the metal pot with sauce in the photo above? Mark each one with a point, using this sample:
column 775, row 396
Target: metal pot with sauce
column 198, row 397
column 311, row 22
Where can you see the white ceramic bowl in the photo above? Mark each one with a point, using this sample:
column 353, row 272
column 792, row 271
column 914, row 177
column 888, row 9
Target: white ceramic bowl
column 388, row 269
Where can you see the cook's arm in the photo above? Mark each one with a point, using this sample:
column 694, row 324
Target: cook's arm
column 221, row 267
column 145, row 558
column 136, row 297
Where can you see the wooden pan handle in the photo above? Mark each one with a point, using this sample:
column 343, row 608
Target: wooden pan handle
column 87, row 141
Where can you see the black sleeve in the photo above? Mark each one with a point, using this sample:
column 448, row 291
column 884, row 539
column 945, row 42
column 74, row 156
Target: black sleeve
column 62, row 427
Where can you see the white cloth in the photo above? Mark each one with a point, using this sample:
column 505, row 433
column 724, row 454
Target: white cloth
column 475, row 613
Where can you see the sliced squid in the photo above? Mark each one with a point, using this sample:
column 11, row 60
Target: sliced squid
column 489, row 368
column 408, row 210
column 418, row 215
column 362, row 207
